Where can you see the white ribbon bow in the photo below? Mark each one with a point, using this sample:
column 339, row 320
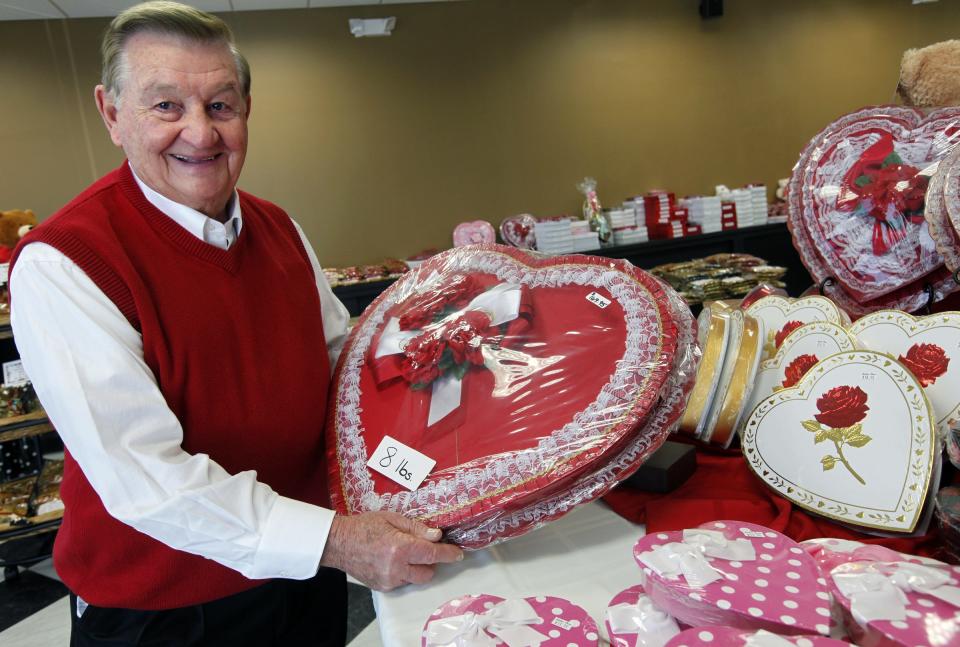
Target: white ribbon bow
column 689, row 558
column 876, row 596
column 506, row 622
column 653, row 627
column 766, row 639
column 501, row 303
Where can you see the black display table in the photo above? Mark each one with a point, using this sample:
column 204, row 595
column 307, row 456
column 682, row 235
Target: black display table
column 772, row 242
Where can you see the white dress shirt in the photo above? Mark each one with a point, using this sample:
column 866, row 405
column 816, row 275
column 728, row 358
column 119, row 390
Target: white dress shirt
column 87, row 365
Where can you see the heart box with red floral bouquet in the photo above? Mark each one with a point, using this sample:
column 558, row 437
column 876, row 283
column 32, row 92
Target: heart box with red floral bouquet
column 518, row 374
column 856, row 205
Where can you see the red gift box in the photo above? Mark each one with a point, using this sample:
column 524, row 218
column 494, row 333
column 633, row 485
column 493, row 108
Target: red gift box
column 545, row 394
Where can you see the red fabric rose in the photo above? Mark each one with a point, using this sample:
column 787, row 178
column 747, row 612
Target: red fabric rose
column 798, row 368
column 421, row 359
column 842, row 406
column 927, row 362
column 788, row 328
column 423, row 309
column 465, row 337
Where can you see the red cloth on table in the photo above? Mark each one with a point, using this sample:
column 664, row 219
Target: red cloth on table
column 723, row 487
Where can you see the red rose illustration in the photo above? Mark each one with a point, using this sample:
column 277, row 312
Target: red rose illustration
column 421, row 360
column 842, row 406
column 798, row 368
column 927, row 362
column 788, row 328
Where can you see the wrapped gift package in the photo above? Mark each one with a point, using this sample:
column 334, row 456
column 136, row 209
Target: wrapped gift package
column 856, row 201
column 633, row 619
column 735, row 574
column 898, row 604
column 493, row 381
column 488, row 620
column 732, row 637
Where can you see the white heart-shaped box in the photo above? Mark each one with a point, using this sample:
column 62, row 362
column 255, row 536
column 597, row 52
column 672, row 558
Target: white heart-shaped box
column 802, row 348
column 867, row 403
column 777, row 312
column 930, row 347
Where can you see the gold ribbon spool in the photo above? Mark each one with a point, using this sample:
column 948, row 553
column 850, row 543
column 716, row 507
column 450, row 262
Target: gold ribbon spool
column 741, row 382
column 707, row 372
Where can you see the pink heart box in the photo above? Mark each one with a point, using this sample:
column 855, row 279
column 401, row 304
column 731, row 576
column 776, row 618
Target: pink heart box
column 625, row 639
column 731, row 637
column 829, row 553
column 927, row 621
column 563, row 623
column 780, row 590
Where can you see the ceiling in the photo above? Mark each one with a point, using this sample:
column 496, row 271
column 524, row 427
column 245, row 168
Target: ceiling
column 45, row 9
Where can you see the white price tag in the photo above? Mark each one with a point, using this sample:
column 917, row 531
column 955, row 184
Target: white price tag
column 13, row 374
column 563, row 624
column 401, row 464
column 4, row 273
column 598, row 300
column 755, row 534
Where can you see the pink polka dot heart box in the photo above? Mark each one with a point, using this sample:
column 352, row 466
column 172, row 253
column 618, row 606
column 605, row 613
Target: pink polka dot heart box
column 899, row 604
column 633, row 620
column 731, row 637
column 735, row 574
column 487, row 620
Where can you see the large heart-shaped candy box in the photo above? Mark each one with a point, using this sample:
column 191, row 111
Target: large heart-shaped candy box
column 563, row 359
column 856, row 202
column 854, row 440
column 942, row 209
column 737, row 574
column 928, row 346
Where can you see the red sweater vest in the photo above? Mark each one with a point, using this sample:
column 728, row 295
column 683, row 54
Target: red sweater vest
column 235, row 340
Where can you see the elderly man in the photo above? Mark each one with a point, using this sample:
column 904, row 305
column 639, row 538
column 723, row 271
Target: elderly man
column 177, row 331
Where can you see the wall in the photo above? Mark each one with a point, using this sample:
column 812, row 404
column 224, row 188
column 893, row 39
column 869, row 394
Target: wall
column 485, row 108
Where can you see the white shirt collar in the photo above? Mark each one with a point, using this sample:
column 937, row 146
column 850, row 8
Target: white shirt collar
column 210, row 231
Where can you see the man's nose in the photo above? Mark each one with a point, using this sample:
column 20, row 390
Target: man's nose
column 199, row 130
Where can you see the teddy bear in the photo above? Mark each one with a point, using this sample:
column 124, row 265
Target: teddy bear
column 14, row 224
column 930, row 76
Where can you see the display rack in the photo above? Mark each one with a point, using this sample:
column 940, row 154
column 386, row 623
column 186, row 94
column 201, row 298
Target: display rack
column 30, row 540
column 772, row 242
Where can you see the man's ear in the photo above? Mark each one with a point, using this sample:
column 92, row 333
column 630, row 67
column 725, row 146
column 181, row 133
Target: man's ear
column 107, row 108
column 249, row 105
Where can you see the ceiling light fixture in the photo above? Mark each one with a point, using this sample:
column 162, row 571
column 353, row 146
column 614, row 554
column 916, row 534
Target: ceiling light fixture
column 364, row 27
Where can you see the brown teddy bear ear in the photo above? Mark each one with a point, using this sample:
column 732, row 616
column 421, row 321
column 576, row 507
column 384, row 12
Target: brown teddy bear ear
column 909, row 69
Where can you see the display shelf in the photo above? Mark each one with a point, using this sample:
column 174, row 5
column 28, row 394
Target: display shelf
column 31, row 526
column 29, row 424
column 6, row 332
column 771, row 242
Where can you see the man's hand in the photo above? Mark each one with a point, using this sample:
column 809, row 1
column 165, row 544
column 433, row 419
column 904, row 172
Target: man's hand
column 385, row 550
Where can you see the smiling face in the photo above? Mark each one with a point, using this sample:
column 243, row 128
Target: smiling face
column 181, row 119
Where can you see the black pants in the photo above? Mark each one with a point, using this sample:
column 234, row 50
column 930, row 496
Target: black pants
column 285, row 613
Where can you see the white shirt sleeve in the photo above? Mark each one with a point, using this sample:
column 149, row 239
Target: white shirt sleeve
column 86, row 363
column 336, row 318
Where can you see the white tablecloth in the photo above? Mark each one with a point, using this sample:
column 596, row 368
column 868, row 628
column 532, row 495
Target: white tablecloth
column 585, row 557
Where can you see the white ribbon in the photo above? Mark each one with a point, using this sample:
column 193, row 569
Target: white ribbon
column 876, row 596
column 501, row 303
column 689, row 558
column 653, row 627
column 506, row 622
column 766, row 639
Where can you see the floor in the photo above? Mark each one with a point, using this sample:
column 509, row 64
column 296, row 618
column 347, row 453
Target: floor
column 34, row 611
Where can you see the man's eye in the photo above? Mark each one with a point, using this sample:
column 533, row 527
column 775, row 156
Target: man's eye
column 164, row 105
column 218, row 106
